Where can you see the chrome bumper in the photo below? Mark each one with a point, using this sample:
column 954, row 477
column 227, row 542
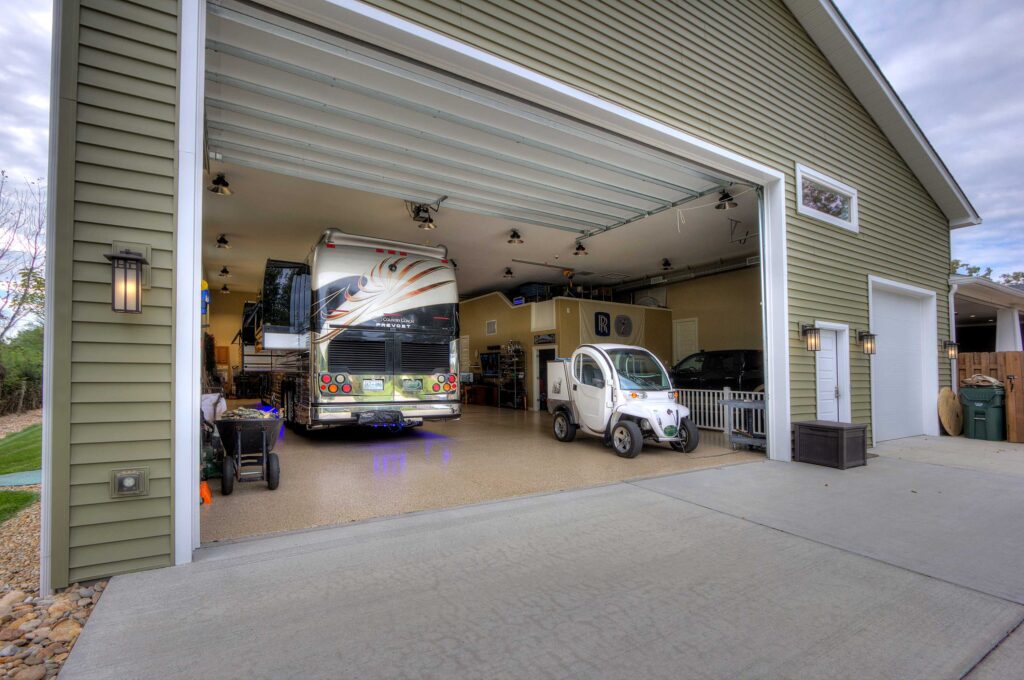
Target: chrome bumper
column 349, row 413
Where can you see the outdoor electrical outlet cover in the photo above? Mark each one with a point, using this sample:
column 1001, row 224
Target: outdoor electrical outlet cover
column 129, row 482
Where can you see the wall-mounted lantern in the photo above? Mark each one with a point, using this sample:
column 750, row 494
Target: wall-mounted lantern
column 812, row 337
column 867, row 342
column 126, row 281
column 952, row 349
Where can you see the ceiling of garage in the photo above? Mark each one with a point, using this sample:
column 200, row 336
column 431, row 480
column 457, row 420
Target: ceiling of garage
column 279, row 216
column 315, row 130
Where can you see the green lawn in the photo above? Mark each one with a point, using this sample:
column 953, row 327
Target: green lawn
column 13, row 501
column 22, row 451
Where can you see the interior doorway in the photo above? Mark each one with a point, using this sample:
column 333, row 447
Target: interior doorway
column 685, row 340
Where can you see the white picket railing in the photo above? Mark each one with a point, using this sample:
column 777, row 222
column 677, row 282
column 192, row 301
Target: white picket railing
column 707, row 412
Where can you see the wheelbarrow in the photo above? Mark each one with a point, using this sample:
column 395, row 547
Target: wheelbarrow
column 248, row 452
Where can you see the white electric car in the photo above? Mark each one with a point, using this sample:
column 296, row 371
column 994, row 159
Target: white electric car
column 620, row 393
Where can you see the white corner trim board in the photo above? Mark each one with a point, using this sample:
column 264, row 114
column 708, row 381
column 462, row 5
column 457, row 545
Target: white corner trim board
column 188, row 274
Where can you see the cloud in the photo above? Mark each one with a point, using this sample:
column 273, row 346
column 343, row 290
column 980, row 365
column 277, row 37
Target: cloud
column 957, row 66
column 25, row 82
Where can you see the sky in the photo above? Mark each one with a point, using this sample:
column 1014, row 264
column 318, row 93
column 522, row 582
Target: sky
column 958, row 66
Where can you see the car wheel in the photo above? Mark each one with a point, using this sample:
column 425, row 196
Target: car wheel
column 563, row 428
column 627, row 440
column 689, row 436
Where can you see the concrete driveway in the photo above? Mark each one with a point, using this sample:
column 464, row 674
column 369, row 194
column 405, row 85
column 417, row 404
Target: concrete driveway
column 902, row 569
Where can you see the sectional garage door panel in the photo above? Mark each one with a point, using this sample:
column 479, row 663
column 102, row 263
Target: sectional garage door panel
column 899, row 321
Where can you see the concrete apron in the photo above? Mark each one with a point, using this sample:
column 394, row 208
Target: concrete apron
column 629, row 580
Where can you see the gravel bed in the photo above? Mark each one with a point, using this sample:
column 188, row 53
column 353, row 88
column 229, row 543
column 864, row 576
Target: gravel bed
column 36, row 633
column 16, row 422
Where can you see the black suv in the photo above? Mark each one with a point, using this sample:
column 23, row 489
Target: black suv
column 737, row 369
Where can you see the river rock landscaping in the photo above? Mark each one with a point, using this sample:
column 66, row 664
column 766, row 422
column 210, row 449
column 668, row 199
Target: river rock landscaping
column 36, row 633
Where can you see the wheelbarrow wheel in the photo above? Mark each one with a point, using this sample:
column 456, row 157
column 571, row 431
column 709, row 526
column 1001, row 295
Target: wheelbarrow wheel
column 273, row 471
column 227, row 477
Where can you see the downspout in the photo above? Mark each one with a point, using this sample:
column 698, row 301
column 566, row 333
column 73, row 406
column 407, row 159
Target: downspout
column 952, row 336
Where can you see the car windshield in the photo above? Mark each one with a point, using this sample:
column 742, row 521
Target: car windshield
column 638, row 370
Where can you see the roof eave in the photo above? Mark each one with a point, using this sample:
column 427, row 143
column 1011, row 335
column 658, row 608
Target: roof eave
column 844, row 50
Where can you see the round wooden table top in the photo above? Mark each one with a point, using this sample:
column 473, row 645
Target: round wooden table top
column 951, row 414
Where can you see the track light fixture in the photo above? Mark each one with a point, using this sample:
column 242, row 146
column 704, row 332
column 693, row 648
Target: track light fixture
column 222, row 241
column 666, row 265
column 508, row 273
column 515, row 237
column 224, row 272
column 220, row 186
column 725, row 201
column 580, row 250
column 421, row 213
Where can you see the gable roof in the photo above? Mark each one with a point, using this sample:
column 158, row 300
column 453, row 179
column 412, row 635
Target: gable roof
column 837, row 41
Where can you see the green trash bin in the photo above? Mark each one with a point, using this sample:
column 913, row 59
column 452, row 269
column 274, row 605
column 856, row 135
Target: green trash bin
column 984, row 412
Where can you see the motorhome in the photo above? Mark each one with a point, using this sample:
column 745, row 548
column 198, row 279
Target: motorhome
column 364, row 332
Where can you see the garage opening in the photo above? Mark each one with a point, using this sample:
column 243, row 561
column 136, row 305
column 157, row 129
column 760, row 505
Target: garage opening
column 378, row 232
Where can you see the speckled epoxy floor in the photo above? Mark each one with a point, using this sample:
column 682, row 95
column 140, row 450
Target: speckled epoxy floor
column 348, row 474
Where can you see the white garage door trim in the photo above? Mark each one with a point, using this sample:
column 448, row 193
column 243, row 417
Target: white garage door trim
column 385, row 30
column 928, row 350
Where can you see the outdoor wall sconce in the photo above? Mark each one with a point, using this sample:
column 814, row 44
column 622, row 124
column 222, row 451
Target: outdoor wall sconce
column 952, row 349
column 867, row 342
column 812, row 337
column 126, row 281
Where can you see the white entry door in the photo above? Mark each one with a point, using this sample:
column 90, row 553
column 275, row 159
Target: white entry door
column 827, row 380
column 684, row 339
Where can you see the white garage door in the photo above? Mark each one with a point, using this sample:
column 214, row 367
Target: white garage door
column 899, row 375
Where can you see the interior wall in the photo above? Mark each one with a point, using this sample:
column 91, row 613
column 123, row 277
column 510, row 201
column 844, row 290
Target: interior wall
column 513, row 323
column 657, row 326
column 225, row 322
column 727, row 307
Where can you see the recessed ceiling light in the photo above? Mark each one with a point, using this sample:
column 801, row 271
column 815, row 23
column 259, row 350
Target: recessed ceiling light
column 222, row 241
column 515, row 237
column 580, row 250
column 508, row 273
column 666, row 265
column 973, row 315
column 225, row 289
column 224, row 272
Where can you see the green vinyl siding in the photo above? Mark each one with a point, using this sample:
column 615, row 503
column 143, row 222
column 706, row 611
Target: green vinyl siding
column 113, row 384
column 742, row 74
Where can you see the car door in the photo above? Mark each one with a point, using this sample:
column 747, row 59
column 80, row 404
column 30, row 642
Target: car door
column 590, row 391
column 686, row 374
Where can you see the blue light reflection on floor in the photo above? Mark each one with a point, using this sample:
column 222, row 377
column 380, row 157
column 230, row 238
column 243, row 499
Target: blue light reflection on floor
column 393, row 457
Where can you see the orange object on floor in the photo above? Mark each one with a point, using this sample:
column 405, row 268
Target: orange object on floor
column 205, row 495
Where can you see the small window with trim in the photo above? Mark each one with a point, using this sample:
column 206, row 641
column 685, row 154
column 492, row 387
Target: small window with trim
column 826, row 199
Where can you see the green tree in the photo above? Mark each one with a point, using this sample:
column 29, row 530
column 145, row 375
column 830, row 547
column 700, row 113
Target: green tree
column 955, row 266
column 22, row 254
column 1013, row 277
